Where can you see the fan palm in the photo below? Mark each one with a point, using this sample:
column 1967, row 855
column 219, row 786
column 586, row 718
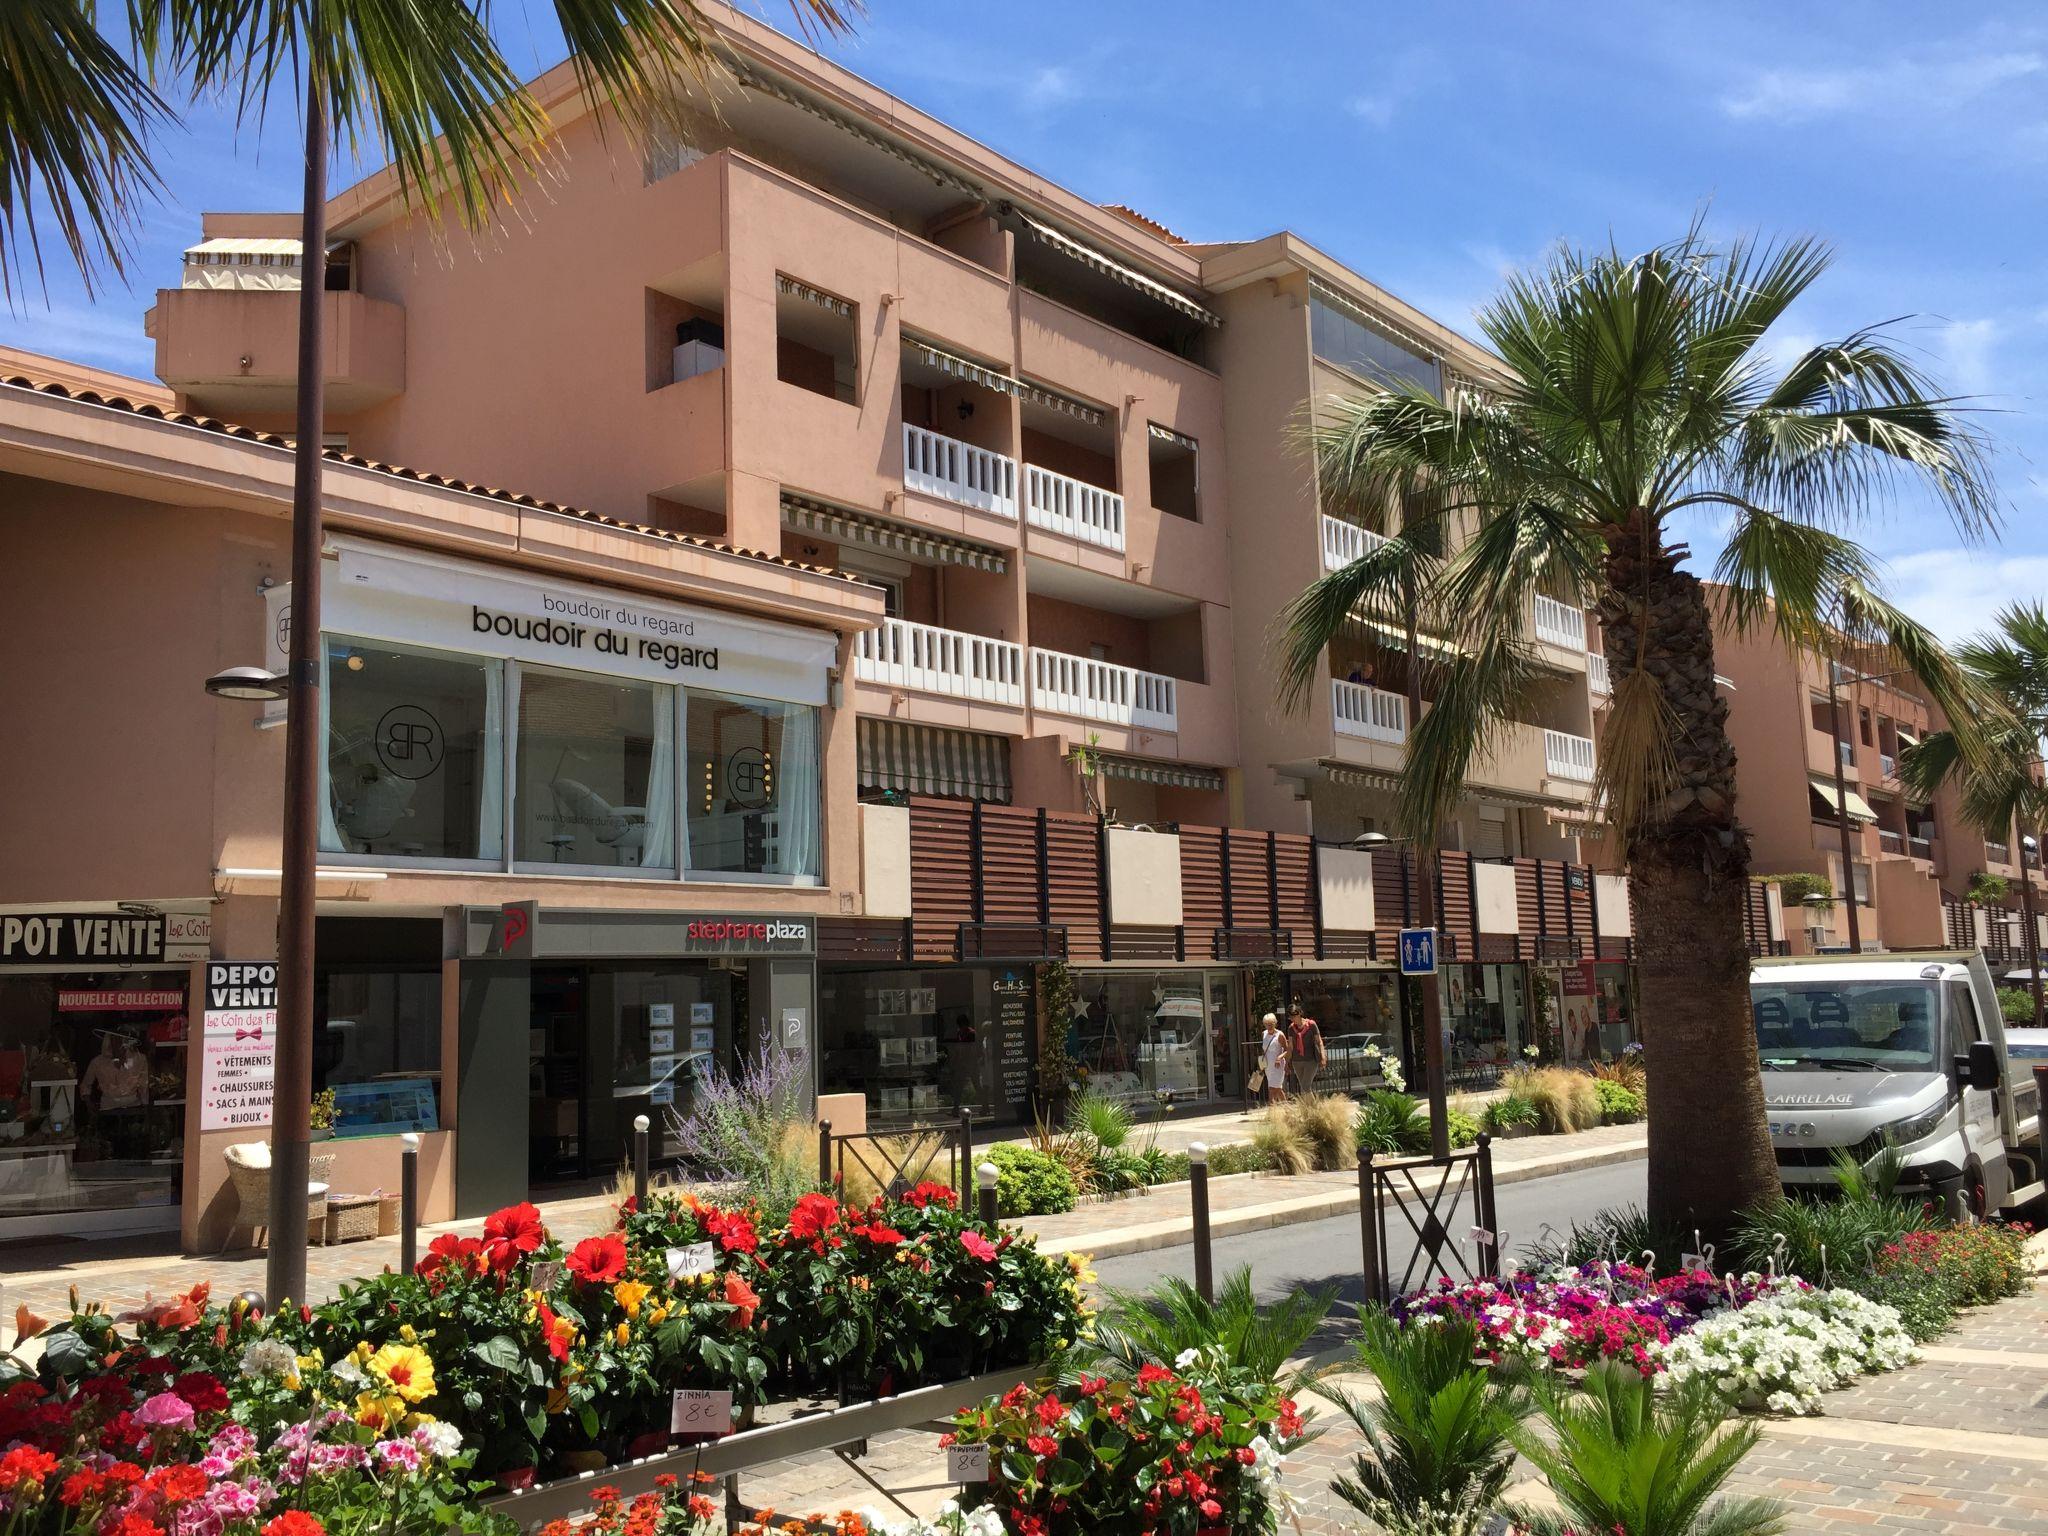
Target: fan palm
column 1161, row 1325
column 1633, row 392
column 1995, row 768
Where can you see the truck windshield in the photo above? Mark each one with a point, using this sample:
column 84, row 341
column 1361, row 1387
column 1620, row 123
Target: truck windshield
column 1846, row 1026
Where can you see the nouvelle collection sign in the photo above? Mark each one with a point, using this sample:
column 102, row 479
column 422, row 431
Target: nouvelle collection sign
column 238, row 1045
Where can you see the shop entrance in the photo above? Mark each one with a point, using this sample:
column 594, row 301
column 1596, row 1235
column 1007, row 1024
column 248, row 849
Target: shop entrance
column 608, row 1042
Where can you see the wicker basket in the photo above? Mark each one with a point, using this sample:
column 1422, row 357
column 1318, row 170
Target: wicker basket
column 387, row 1215
column 351, row 1218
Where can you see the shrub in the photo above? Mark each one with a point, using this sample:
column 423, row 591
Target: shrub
column 2017, row 1004
column 1236, row 1157
column 1507, row 1114
column 1282, row 1146
column 1782, row 1351
column 1976, row 1264
column 1565, row 1100
column 1625, row 1070
column 1926, row 1306
column 1100, row 1119
column 1028, row 1183
column 1324, row 1123
column 1390, row 1122
column 1618, row 1105
column 753, row 1128
column 1163, row 1167
column 1162, row 1324
column 1821, row 1237
column 1463, row 1128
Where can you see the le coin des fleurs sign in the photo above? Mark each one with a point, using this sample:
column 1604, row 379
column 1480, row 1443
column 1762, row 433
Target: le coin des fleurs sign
column 238, row 1045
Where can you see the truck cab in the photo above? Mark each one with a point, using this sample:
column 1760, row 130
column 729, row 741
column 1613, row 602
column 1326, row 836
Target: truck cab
column 1858, row 1051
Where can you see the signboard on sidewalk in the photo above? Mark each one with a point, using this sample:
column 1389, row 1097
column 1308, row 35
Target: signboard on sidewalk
column 1418, row 951
column 238, row 1045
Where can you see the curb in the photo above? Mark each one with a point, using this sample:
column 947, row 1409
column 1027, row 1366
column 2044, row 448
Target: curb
column 1146, row 1237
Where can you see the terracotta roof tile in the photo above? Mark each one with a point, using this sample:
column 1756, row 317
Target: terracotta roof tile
column 16, row 380
column 1151, row 226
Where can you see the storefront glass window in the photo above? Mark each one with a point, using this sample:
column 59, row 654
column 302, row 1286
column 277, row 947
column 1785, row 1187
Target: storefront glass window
column 1357, row 1012
column 1486, row 1013
column 92, row 1091
column 415, row 759
column 377, row 1048
column 1598, row 1021
column 1142, row 1033
column 924, row 1044
column 751, row 786
column 595, row 772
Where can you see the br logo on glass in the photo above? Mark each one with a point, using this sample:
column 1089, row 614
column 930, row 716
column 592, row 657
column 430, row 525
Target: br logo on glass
column 746, row 778
column 284, row 629
column 409, row 741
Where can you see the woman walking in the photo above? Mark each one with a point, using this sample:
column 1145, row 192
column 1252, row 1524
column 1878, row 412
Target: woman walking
column 1273, row 1058
column 1306, row 1053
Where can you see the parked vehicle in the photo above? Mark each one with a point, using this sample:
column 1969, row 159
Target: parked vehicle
column 1907, row 1048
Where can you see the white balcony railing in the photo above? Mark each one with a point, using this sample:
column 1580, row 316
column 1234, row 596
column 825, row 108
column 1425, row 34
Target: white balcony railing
column 1102, row 690
column 957, row 471
column 1560, row 624
column 1073, row 507
column 1848, row 751
column 1345, row 542
column 1566, row 756
column 1372, row 714
column 1596, row 673
column 927, row 659
column 1888, row 765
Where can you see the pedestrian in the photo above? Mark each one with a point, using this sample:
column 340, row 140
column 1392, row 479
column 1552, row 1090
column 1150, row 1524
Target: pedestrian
column 1306, row 1053
column 1273, row 1058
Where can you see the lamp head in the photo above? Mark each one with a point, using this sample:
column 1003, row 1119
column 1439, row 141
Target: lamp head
column 254, row 684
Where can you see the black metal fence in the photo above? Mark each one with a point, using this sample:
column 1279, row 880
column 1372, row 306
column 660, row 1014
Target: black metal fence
column 901, row 1157
column 1445, row 1204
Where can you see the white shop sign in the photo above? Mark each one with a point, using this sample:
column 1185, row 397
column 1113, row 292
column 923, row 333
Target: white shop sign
column 456, row 606
column 238, row 1046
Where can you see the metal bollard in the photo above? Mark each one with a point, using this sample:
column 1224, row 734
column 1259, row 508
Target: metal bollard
column 409, row 1203
column 1198, row 1198
column 1368, row 1228
column 966, row 1157
column 985, row 1194
column 825, row 1153
column 640, row 1125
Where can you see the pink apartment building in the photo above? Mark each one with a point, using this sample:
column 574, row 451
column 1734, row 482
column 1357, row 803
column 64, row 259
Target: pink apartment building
column 850, row 461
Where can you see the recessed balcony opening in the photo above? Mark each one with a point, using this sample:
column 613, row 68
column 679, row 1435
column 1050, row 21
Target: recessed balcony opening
column 1176, row 472
column 1108, row 650
column 1070, row 468
column 969, row 231
column 817, row 340
column 686, row 325
column 695, row 507
column 1048, row 269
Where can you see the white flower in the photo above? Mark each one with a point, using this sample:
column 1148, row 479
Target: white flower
column 268, row 1357
column 438, row 1438
column 347, row 1372
column 1186, row 1358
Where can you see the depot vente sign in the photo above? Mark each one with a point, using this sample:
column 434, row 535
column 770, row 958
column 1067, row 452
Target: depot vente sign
column 238, row 1047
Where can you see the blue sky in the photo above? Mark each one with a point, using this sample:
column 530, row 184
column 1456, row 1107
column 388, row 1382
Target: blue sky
column 1434, row 147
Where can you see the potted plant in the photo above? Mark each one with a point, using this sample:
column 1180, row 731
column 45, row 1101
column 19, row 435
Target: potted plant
column 320, row 1117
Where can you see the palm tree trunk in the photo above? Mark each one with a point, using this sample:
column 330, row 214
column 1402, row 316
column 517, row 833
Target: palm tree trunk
column 1710, row 1145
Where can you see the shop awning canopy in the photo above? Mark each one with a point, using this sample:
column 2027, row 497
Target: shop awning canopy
column 1110, row 267
column 932, row 760
column 1175, row 775
column 994, row 378
column 242, row 263
column 858, row 528
column 1859, row 808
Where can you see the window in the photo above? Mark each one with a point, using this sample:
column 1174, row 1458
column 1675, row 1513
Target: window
column 752, row 786
column 1962, row 1011
column 596, row 772
column 1176, row 472
column 1342, row 337
column 415, row 759
column 1862, row 876
column 1863, row 725
column 816, row 341
column 377, row 1047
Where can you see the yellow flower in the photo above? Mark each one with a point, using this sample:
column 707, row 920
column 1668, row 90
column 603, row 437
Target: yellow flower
column 657, row 1315
column 379, row 1410
column 622, row 1334
column 407, row 1369
column 629, row 1294
column 408, row 1333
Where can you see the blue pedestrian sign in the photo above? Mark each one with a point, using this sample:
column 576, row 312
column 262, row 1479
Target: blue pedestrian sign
column 1418, row 951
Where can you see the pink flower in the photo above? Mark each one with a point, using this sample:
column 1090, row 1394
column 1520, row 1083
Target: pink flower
column 978, row 1245
column 401, row 1454
column 165, row 1410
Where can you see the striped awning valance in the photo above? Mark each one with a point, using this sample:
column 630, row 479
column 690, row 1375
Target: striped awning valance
column 994, row 378
column 1363, row 778
column 1174, row 775
column 1168, row 435
column 1414, row 341
column 932, row 760
column 844, row 527
column 755, row 78
column 810, row 295
column 1110, row 267
column 226, row 251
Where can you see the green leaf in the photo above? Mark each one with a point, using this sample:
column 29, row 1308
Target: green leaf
column 500, row 1352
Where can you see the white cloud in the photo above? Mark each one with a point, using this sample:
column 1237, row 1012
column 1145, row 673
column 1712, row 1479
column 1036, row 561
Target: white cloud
column 1802, row 95
column 1052, row 86
column 1965, row 347
column 1407, row 74
column 1958, row 592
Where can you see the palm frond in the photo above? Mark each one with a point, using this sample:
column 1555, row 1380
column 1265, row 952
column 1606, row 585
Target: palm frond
column 1158, row 1326
column 1477, row 694
column 1379, row 582
column 1637, row 770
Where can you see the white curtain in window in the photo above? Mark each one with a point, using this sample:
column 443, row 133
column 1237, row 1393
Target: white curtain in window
column 330, row 831
column 796, row 850
column 660, row 849
column 490, row 811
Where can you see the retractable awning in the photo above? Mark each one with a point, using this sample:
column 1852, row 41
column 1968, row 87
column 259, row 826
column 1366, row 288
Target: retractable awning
column 953, row 364
column 241, row 263
column 810, row 295
column 932, row 760
column 844, row 527
column 1373, row 320
column 1110, row 267
column 1859, row 808
column 756, row 78
column 1168, row 435
column 1173, row 775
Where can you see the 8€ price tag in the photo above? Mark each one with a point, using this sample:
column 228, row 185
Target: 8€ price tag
column 697, row 1259
column 966, row 1463
column 699, row 1412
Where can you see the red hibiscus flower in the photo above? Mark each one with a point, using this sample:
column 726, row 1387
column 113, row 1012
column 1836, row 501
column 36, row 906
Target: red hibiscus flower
column 598, row 1260
column 734, row 1230
column 929, row 1193
column 813, row 1214
column 517, row 1226
column 879, row 1233
column 741, row 1295
column 465, row 1255
column 295, row 1522
column 552, row 1329
column 978, row 1245
column 203, row 1390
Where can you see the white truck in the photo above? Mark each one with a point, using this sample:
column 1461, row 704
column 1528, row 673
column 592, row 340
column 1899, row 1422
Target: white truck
column 1907, row 1048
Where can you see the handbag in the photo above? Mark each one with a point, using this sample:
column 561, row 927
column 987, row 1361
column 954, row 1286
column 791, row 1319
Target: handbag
column 1256, row 1083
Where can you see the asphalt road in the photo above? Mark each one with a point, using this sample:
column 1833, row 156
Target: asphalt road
column 1319, row 1254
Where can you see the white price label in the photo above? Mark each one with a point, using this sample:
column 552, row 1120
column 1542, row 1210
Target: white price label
column 1693, row 1261
column 1482, row 1236
column 697, row 1412
column 544, row 1276
column 966, row 1463
column 697, row 1259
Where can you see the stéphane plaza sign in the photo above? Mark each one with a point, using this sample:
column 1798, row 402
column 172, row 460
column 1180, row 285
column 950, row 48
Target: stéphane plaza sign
column 381, row 593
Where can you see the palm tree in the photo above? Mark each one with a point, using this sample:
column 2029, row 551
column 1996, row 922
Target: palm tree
column 1633, row 392
column 424, row 81
column 2000, row 784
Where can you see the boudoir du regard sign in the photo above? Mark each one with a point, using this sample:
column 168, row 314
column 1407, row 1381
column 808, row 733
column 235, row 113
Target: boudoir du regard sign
column 460, row 606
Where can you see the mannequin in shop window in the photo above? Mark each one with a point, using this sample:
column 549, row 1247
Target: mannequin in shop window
column 116, row 1087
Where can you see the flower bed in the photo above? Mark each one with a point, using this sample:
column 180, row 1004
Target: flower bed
column 1786, row 1349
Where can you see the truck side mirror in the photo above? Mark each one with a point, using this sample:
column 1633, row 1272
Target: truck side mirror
column 1979, row 1069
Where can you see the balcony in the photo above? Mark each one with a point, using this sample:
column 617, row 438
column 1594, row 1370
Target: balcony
column 235, row 352
column 1997, row 853
column 1889, row 841
column 1345, row 542
column 1596, row 674
column 924, row 658
column 1888, row 765
column 959, row 472
column 1921, row 848
column 1370, row 714
column 1087, row 689
column 1065, row 505
column 1566, row 756
column 1560, row 624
